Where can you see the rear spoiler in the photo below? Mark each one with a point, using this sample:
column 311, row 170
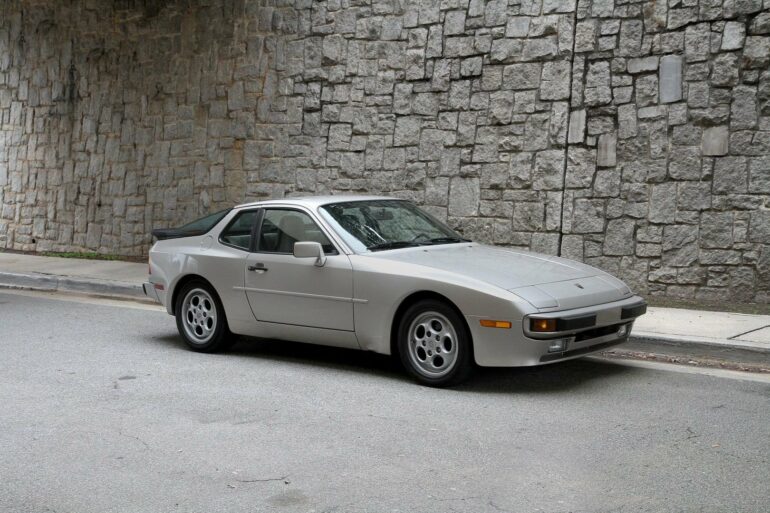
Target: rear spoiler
column 174, row 233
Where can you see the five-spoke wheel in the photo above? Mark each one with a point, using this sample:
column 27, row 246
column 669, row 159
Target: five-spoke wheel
column 200, row 317
column 434, row 344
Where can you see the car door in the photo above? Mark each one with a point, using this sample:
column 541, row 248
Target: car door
column 288, row 290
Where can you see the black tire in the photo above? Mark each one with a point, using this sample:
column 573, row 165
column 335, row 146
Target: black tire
column 432, row 353
column 193, row 322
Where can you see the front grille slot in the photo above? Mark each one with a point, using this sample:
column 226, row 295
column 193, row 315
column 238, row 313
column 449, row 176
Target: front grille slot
column 597, row 332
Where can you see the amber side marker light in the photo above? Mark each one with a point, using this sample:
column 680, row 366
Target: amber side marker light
column 542, row 325
column 487, row 323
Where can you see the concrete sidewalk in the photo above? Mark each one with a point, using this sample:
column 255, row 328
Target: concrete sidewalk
column 673, row 326
column 101, row 277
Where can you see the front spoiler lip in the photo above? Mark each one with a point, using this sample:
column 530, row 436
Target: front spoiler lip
column 581, row 351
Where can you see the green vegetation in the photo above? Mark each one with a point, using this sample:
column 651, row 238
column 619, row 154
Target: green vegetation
column 83, row 255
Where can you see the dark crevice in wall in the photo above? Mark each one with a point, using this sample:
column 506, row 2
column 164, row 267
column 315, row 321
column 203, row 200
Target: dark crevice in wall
column 566, row 142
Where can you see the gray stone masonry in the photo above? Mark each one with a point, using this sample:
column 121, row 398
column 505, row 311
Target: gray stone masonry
column 634, row 136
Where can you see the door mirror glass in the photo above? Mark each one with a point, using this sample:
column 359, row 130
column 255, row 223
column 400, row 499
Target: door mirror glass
column 310, row 250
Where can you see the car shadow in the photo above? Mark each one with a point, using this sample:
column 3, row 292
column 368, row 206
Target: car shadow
column 541, row 379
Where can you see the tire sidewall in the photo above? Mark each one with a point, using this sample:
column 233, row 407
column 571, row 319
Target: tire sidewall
column 464, row 361
column 221, row 332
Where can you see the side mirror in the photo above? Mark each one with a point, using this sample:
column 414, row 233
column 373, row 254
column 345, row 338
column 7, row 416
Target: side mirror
column 310, row 250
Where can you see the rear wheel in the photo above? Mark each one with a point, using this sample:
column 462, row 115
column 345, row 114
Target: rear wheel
column 434, row 344
column 201, row 319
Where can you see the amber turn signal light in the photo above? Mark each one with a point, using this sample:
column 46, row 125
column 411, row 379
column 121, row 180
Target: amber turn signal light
column 487, row 323
column 542, row 325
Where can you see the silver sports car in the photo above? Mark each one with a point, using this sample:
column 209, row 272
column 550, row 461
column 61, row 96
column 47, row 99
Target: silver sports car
column 379, row 274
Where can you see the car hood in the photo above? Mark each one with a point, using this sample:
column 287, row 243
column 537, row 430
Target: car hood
column 546, row 282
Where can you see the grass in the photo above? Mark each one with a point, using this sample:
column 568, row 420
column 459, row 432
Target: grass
column 85, row 255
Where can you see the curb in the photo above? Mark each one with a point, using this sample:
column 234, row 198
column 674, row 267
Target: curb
column 51, row 283
column 124, row 290
column 703, row 343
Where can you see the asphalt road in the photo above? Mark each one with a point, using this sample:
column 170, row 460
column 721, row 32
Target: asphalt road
column 103, row 410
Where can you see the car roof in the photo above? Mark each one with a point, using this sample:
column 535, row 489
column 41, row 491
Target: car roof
column 316, row 201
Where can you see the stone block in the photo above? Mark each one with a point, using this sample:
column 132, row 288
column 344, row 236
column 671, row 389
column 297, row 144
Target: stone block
column 588, row 216
column 680, row 245
column 500, row 107
column 605, row 156
column 733, row 35
column 548, row 171
column 464, row 196
column 528, row 216
column 662, row 203
column 730, row 175
column 619, row 237
column 496, row 12
column 607, row 183
column 555, row 83
column 715, row 140
column 471, row 67
column 759, row 227
column 646, row 90
column 670, row 78
column 627, row 124
column 759, row 175
column 432, row 143
column 558, row 6
column 630, row 42
column 518, row 26
column 585, row 36
column 743, row 109
column 760, row 24
column 521, row 76
column 642, row 64
column 697, row 40
column 407, row 131
column 756, row 52
column 716, row 230
column 454, row 23
column 577, row 127
column 581, row 167
column 685, row 164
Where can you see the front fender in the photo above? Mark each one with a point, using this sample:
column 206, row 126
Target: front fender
column 380, row 289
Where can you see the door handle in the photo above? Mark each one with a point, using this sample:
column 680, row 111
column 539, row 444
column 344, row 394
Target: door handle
column 260, row 268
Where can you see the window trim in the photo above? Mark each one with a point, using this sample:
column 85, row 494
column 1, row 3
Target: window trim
column 252, row 240
column 261, row 218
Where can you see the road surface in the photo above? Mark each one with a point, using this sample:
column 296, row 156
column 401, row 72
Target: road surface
column 102, row 409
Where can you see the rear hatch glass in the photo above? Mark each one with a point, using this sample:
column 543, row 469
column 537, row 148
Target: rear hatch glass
column 197, row 227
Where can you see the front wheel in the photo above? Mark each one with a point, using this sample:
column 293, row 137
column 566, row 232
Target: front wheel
column 200, row 318
column 434, row 344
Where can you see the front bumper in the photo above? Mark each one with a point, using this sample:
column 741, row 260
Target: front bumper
column 515, row 348
column 150, row 292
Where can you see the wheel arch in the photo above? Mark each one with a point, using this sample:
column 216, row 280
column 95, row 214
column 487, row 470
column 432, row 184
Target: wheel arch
column 416, row 297
column 184, row 280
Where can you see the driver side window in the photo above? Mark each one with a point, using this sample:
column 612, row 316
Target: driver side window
column 281, row 228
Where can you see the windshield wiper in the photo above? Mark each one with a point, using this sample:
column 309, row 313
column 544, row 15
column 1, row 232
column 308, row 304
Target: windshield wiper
column 446, row 240
column 393, row 245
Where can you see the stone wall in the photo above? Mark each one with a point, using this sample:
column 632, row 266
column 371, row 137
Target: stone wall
column 672, row 103
column 632, row 135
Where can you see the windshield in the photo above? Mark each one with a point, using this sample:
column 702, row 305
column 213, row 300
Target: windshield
column 378, row 225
